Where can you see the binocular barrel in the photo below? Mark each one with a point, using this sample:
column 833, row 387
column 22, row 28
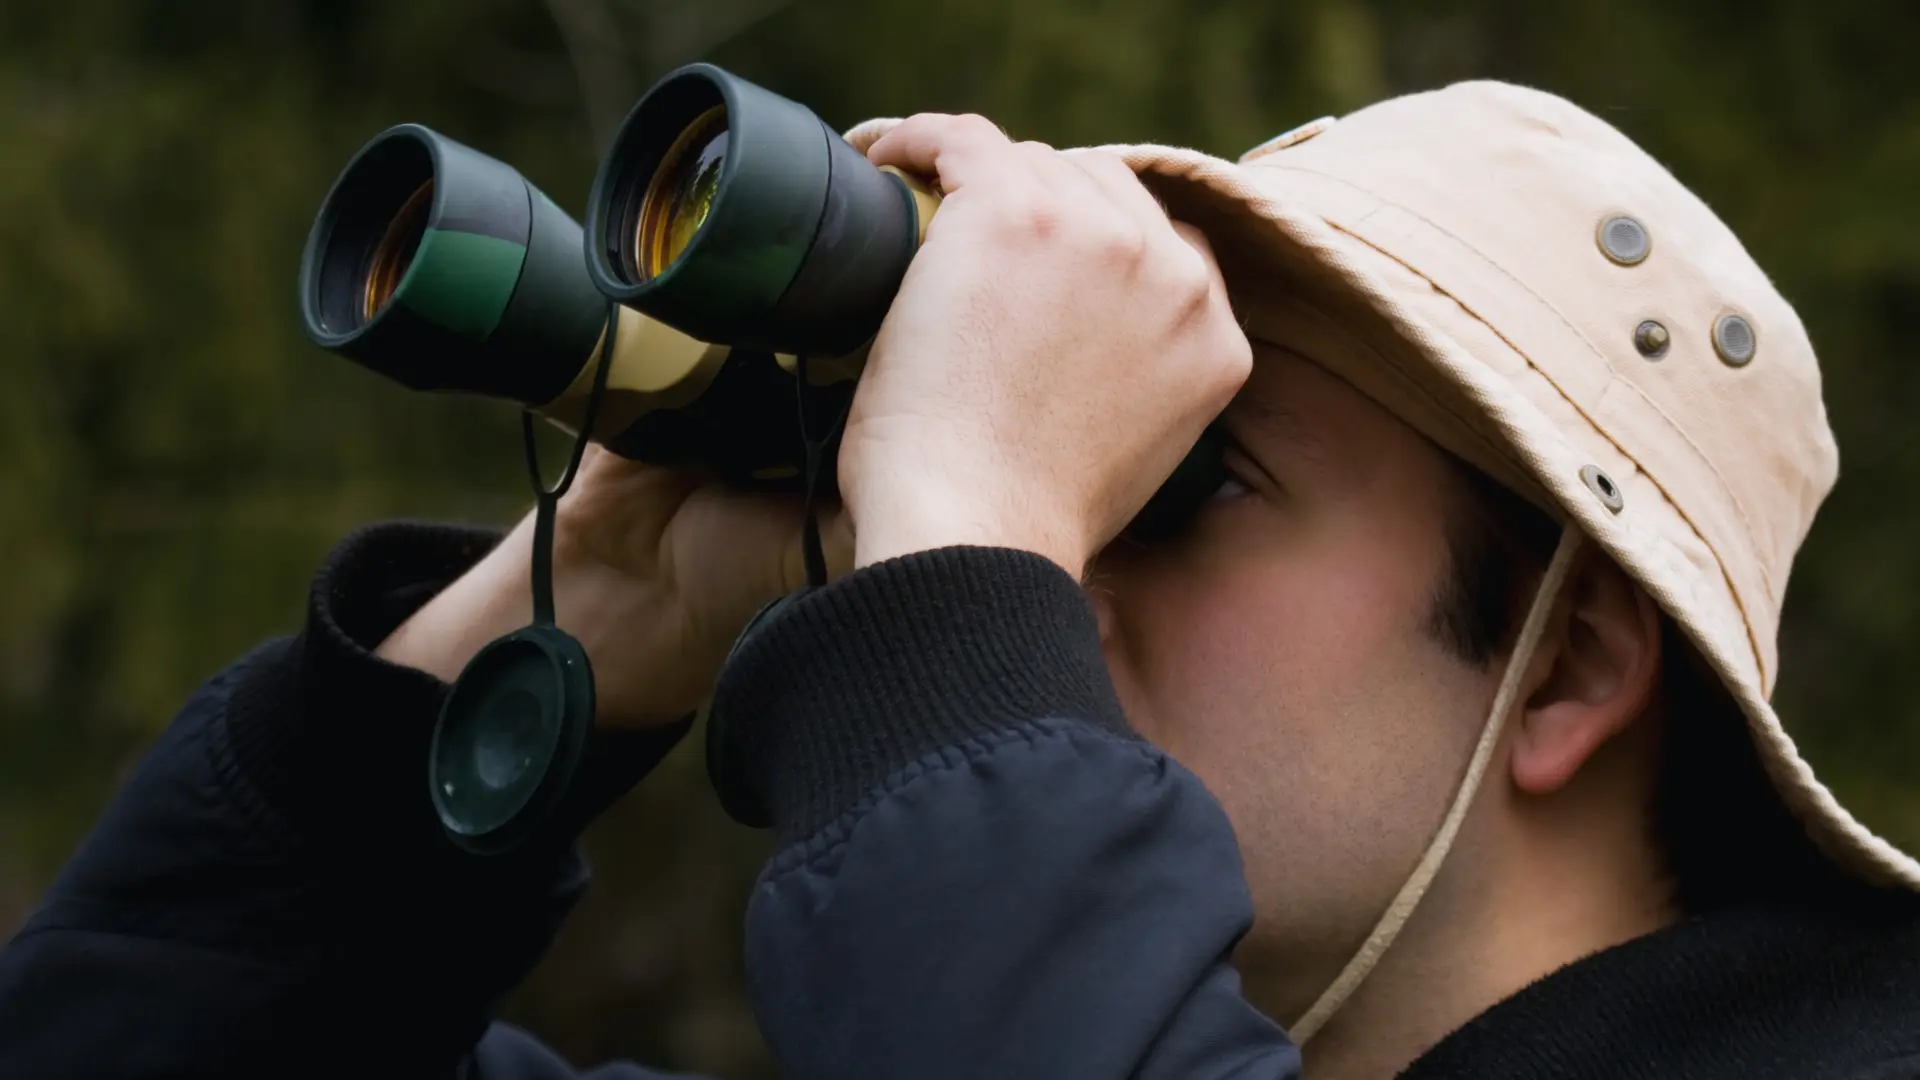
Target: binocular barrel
column 443, row 269
column 738, row 216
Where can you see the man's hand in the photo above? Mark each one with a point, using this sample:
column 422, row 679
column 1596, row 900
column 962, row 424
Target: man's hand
column 1057, row 345
column 654, row 572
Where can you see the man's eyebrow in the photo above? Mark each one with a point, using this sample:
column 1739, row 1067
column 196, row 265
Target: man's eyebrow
column 1276, row 417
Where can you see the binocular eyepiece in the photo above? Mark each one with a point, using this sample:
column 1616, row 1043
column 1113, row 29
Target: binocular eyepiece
column 730, row 235
column 443, row 269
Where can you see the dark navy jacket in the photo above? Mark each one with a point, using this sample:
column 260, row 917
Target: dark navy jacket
column 982, row 873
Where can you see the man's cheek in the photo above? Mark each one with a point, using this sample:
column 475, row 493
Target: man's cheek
column 1190, row 648
column 1191, row 694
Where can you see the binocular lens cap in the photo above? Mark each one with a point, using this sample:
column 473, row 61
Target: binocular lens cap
column 510, row 735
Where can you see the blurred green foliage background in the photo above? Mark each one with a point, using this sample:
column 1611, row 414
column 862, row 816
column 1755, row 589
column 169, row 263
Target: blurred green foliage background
column 175, row 459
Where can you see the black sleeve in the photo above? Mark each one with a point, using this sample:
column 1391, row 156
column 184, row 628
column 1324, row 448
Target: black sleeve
column 270, row 894
column 984, row 872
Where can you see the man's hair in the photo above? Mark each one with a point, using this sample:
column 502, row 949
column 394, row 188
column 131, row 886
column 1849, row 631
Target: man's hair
column 1721, row 829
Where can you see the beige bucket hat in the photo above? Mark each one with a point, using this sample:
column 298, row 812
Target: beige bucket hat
column 1541, row 297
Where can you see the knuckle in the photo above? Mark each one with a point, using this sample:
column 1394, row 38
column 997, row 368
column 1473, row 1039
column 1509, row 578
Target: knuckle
column 1189, row 283
column 1122, row 242
column 1039, row 220
column 1018, row 220
column 1111, row 164
column 1194, row 236
column 1229, row 362
column 924, row 122
column 1237, row 356
column 978, row 126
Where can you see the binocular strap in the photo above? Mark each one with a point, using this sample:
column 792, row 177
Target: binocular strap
column 513, row 729
column 816, row 447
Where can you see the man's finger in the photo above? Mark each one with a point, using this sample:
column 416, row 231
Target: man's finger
column 955, row 150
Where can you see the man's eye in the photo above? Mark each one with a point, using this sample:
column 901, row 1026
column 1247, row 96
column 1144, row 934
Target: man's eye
column 1233, row 469
column 1230, row 488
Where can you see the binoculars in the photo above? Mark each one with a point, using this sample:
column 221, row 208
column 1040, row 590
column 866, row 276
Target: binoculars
column 735, row 246
column 729, row 233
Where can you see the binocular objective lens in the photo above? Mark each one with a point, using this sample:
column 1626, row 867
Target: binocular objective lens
column 681, row 193
column 394, row 253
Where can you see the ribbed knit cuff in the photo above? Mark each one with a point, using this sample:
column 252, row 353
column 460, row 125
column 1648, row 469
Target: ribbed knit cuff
column 334, row 740
column 854, row 681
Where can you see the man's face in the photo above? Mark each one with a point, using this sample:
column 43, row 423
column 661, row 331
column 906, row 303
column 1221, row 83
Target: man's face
column 1280, row 649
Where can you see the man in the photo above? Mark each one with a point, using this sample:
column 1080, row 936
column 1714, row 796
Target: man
column 1444, row 720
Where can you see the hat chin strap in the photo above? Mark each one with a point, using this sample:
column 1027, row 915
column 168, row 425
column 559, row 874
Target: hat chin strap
column 1403, row 904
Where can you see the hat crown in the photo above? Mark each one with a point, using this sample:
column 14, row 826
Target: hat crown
column 1522, row 207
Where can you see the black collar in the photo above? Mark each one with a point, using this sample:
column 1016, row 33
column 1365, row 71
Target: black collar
column 1766, row 992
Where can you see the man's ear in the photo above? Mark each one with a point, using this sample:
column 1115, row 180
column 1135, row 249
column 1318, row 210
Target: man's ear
column 1594, row 672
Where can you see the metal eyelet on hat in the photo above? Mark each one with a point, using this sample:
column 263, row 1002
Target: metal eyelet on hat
column 1734, row 340
column 1625, row 240
column 1603, row 486
column 1652, row 339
